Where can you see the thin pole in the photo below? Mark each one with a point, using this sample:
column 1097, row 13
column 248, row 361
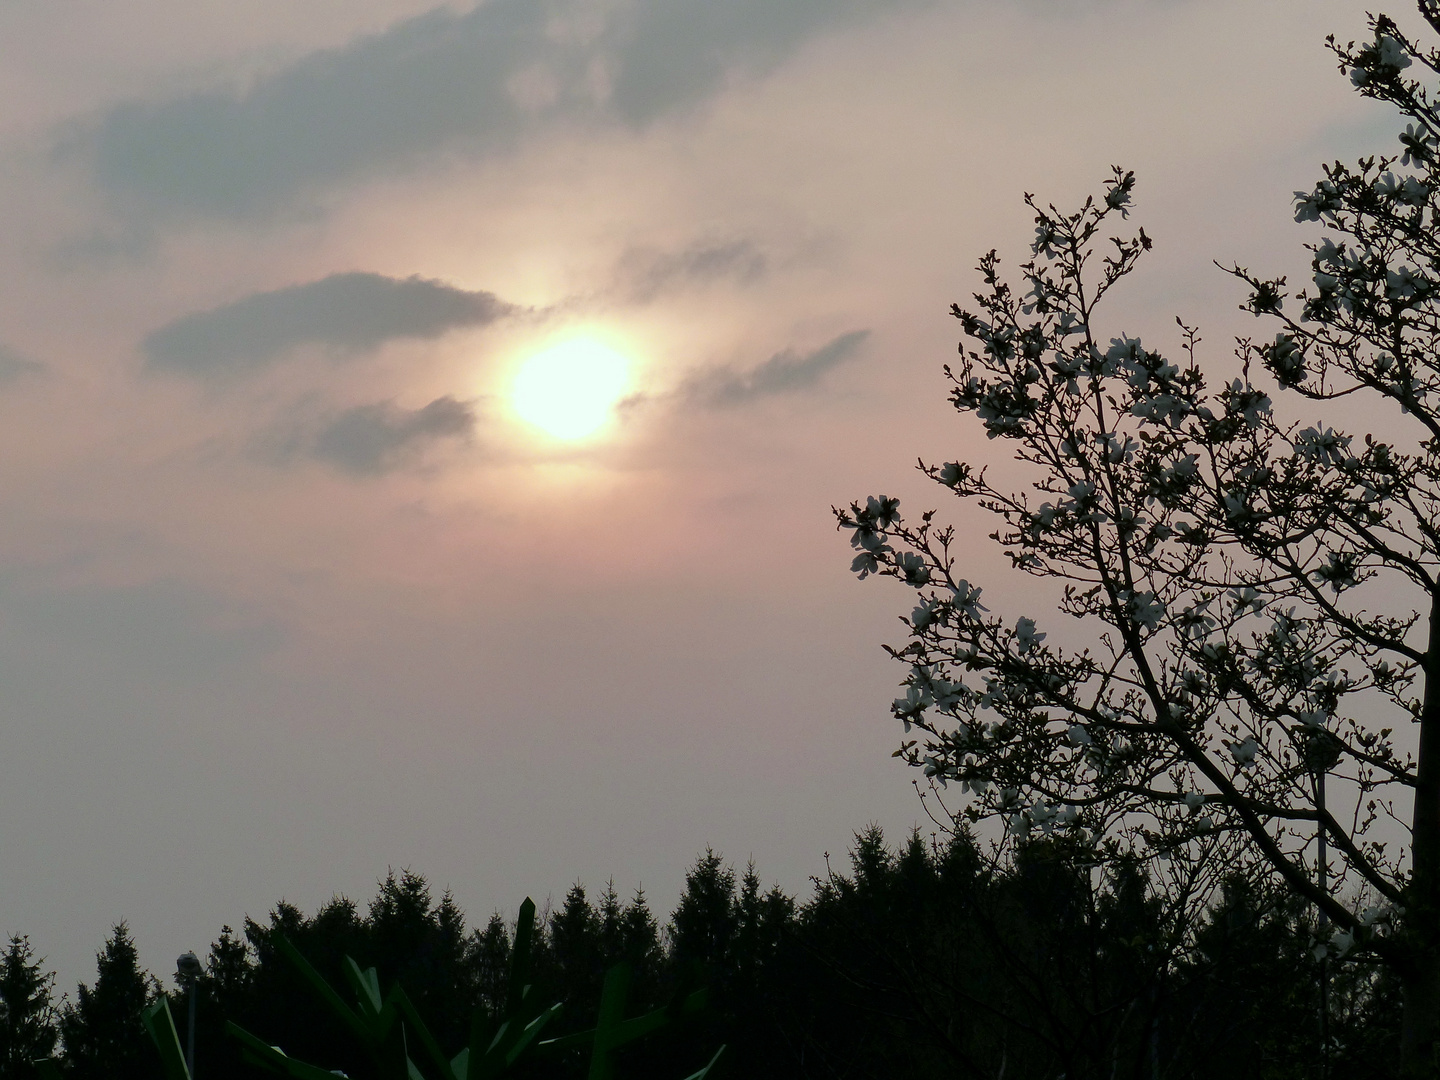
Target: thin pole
column 190, row 1036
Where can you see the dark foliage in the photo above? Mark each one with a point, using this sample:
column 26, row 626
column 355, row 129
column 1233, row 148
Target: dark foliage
column 101, row 1028
column 928, row 960
column 27, row 1015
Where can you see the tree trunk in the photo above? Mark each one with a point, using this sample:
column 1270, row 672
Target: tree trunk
column 1420, row 980
column 1421, row 991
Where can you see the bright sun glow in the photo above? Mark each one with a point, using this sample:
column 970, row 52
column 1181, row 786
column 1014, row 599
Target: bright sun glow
column 571, row 389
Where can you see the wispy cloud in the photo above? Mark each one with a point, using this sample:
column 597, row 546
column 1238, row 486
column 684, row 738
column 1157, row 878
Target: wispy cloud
column 647, row 274
column 373, row 439
column 784, row 373
column 473, row 81
column 14, row 367
column 345, row 314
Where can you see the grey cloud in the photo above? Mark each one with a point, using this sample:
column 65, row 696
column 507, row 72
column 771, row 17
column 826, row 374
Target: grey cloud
column 14, row 367
column 785, row 372
column 373, row 439
column 648, row 274
column 474, row 81
column 344, row 313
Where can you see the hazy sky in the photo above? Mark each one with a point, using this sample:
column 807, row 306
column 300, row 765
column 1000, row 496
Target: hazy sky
column 289, row 594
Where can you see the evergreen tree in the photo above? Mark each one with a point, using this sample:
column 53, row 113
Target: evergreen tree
column 576, row 953
column 28, row 1028
column 487, row 956
column 611, row 926
column 229, row 969
column 640, row 947
column 281, row 1004
column 102, row 1031
column 421, row 945
column 400, row 928
column 703, row 926
column 447, row 989
column 748, row 913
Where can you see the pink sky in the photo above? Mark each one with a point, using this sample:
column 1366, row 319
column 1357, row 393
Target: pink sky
column 266, row 630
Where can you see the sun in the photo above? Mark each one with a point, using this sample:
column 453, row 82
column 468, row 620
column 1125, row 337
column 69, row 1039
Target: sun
column 570, row 390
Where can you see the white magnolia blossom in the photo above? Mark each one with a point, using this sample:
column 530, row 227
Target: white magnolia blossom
column 1182, row 468
column 1078, row 736
column 1195, row 621
column 936, row 768
column 1342, row 942
column 914, row 569
column 1026, row 637
column 1244, row 751
column 1418, row 142
column 1246, row 598
column 1391, row 54
column 1323, row 445
column 1119, row 450
column 1042, row 815
column 1193, row 800
column 1146, row 609
column 1378, row 914
column 1406, row 283
column 915, row 702
column 1251, row 403
column 927, row 613
column 967, row 599
column 944, row 694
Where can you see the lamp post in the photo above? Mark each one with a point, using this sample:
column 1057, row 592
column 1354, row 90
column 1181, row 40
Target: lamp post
column 187, row 968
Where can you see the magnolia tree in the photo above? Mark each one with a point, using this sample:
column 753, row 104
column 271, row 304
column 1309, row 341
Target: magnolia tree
column 1260, row 599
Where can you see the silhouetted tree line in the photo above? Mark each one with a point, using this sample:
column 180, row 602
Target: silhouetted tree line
column 932, row 960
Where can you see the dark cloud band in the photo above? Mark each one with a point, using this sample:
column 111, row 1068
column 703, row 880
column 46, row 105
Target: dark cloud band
column 373, row 439
column 472, row 81
column 784, row 373
column 345, row 314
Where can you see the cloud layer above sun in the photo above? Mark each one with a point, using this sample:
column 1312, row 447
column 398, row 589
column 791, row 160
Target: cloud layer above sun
column 474, row 82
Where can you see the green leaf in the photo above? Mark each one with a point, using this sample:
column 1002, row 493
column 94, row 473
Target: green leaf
column 612, row 1012
column 272, row 1057
column 431, row 1045
column 161, row 1027
column 326, row 992
column 706, row 1070
column 366, row 985
column 532, row 1030
column 520, row 958
column 627, row 1031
